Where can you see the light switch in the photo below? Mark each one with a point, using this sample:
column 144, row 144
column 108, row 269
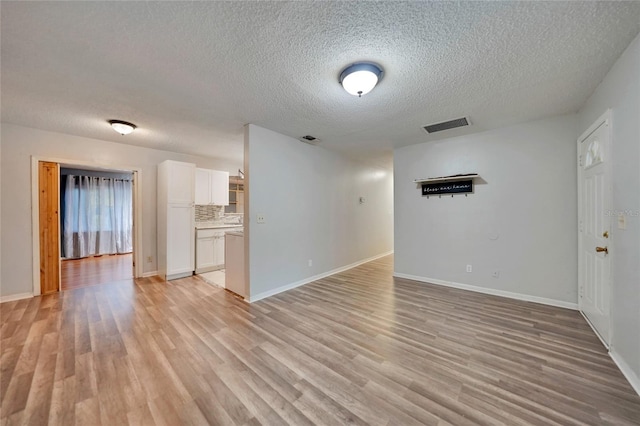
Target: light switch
column 622, row 222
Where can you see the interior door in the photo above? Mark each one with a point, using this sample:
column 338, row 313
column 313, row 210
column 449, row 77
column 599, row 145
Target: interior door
column 594, row 197
column 49, row 224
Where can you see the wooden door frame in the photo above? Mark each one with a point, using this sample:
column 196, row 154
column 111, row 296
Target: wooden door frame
column 604, row 119
column 35, row 211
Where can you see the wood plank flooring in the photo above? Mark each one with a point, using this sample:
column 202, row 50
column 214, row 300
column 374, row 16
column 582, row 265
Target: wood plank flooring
column 359, row 347
column 96, row 270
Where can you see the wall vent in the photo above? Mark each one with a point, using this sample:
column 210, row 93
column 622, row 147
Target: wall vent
column 446, row 125
column 311, row 140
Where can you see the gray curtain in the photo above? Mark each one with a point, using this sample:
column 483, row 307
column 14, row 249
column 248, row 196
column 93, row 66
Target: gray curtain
column 98, row 216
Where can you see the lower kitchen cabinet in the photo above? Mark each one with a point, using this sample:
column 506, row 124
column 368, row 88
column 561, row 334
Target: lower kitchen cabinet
column 210, row 249
column 209, row 257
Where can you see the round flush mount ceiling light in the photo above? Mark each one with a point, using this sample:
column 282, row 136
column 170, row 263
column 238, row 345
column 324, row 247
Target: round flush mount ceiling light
column 360, row 78
column 122, row 127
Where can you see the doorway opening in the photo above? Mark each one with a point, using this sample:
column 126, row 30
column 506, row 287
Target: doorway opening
column 86, row 225
column 96, row 227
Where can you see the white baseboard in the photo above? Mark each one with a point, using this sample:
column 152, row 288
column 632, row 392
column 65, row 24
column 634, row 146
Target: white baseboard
column 494, row 292
column 630, row 375
column 12, row 297
column 308, row 280
column 595, row 331
column 149, row 274
column 178, row 276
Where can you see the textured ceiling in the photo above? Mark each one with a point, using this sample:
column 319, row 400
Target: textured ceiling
column 190, row 75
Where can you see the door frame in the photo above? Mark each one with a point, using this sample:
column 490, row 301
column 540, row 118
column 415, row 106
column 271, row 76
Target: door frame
column 35, row 212
column 604, row 119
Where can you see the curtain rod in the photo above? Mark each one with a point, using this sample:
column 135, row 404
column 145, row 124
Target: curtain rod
column 100, row 177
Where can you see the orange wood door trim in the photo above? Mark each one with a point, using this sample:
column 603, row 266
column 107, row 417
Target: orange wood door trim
column 48, row 189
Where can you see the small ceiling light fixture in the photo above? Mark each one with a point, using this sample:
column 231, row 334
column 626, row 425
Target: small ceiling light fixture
column 122, row 127
column 360, row 78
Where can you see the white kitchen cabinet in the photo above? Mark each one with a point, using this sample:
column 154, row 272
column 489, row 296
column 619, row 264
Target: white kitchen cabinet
column 203, row 187
column 205, row 250
column 180, row 182
column 175, row 221
column 179, row 239
column 219, row 250
column 219, row 188
column 210, row 248
column 212, row 187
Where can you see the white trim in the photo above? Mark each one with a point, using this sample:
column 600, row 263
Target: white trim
column 604, row 343
column 494, row 292
column 35, row 227
column 603, row 119
column 149, row 274
column 286, row 287
column 627, row 372
column 35, row 212
column 12, row 297
column 178, row 275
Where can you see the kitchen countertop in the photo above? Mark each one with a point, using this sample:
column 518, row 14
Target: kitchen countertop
column 217, row 226
column 235, row 233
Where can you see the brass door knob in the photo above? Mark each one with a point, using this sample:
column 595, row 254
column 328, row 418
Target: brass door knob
column 602, row 249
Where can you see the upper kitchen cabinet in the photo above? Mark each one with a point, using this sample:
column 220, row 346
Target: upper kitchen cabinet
column 179, row 182
column 212, row 187
column 203, row 187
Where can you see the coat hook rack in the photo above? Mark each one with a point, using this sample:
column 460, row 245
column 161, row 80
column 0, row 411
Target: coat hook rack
column 454, row 184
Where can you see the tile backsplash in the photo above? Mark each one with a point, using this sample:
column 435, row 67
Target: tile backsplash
column 209, row 213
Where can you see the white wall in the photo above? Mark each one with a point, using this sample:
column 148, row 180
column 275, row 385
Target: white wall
column 309, row 197
column 620, row 91
column 20, row 143
column 527, row 198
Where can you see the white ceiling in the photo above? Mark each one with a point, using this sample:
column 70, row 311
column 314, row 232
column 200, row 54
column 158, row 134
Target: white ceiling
column 190, row 75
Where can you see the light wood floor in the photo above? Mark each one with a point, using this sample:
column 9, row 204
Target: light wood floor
column 76, row 273
column 358, row 347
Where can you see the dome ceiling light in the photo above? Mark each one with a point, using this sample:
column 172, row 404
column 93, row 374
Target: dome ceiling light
column 122, row 127
column 360, row 78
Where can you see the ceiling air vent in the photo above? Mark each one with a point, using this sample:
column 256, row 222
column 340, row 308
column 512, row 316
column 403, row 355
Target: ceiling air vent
column 311, row 140
column 446, row 125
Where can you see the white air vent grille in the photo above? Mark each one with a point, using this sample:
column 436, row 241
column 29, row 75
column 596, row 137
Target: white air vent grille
column 311, row 140
column 446, row 125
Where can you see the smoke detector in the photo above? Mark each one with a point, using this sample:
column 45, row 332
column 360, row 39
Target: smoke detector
column 447, row 125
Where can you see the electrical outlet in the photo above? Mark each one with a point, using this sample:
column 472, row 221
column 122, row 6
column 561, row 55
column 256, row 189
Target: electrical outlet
column 496, row 274
column 260, row 218
column 310, row 262
column 469, row 268
column 150, row 259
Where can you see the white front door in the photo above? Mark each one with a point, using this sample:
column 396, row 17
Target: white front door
column 594, row 236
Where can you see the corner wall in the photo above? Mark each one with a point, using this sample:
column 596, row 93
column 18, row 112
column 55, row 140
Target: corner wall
column 521, row 221
column 309, row 197
column 620, row 91
column 19, row 144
